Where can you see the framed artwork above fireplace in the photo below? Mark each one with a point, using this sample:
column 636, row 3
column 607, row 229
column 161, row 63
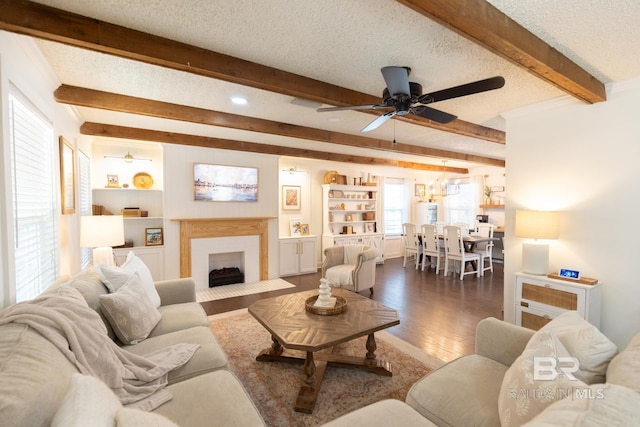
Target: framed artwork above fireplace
column 220, row 183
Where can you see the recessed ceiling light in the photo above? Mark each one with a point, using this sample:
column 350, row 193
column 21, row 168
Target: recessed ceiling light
column 239, row 100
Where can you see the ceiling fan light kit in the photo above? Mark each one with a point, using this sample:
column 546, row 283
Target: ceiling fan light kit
column 403, row 97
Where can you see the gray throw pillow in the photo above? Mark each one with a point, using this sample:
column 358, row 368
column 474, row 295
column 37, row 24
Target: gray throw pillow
column 130, row 311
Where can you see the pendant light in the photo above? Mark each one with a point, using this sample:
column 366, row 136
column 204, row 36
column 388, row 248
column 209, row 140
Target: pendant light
column 441, row 186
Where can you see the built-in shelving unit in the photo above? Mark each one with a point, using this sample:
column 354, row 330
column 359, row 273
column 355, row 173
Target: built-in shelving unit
column 116, row 199
column 351, row 216
column 491, row 206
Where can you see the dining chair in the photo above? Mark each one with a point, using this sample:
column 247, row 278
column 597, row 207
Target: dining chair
column 412, row 246
column 485, row 249
column 440, row 225
column 455, row 251
column 431, row 246
column 464, row 228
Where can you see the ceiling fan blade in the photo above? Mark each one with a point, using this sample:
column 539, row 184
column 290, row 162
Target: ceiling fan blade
column 397, row 80
column 433, row 114
column 463, row 90
column 356, row 107
column 379, row 121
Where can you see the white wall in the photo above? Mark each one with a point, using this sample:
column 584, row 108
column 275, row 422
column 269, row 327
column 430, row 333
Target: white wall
column 23, row 67
column 582, row 160
column 179, row 201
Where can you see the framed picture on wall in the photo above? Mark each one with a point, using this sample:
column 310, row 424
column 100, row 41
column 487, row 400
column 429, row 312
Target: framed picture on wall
column 420, row 190
column 219, row 183
column 290, row 197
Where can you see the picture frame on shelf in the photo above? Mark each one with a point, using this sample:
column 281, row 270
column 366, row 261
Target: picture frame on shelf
column 420, row 190
column 498, row 189
column 370, row 227
column 291, row 197
column 221, row 183
column 67, row 177
column 153, row 236
column 295, row 225
column 304, row 229
column 112, row 181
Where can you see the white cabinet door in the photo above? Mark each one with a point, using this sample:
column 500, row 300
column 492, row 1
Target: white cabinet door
column 288, row 257
column 308, row 256
column 298, row 256
column 377, row 242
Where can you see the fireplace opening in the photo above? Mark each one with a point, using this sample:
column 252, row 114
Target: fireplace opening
column 225, row 276
column 226, row 268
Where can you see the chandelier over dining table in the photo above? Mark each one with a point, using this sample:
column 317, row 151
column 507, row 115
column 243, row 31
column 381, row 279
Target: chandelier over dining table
column 441, row 187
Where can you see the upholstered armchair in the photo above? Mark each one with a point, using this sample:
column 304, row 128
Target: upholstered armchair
column 351, row 267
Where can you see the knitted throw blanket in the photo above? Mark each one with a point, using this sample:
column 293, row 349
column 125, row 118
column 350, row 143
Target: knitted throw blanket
column 64, row 318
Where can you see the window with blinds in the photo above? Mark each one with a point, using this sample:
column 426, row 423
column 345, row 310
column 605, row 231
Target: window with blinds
column 84, row 175
column 462, row 207
column 395, row 206
column 34, row 207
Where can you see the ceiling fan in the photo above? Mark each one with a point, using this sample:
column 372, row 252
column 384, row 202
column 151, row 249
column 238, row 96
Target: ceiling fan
column 404, row 97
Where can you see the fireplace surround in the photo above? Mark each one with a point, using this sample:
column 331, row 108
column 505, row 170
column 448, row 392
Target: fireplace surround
column 200, row 228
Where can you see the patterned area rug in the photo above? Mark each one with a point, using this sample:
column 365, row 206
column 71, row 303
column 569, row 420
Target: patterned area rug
column 274, row 386
column 240, row 289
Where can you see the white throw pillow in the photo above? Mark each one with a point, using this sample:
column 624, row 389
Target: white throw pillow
column 88, row 402
column 114, row 277
column 594, row 406
column 521, row 396
column 133, row 263
column 624, row 369
column 130, row 417
column 585, row 342
column 130, row 312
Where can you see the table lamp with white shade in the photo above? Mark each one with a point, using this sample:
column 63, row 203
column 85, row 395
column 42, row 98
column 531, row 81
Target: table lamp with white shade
column 539, row 226
column 101, row 232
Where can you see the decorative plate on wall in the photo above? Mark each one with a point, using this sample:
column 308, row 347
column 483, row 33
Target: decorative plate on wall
column 142, row 180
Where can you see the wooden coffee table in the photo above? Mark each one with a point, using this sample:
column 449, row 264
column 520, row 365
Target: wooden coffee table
column 293, row 328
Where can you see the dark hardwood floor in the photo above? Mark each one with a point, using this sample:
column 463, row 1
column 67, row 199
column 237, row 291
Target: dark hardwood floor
column 437, row 314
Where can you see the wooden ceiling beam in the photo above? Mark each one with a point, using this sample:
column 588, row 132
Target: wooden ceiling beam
column 48, row 23
column 83, row 97
column 487, row 26
column 123, row 132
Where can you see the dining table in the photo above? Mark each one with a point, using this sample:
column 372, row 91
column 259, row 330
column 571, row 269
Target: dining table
column 470, row 241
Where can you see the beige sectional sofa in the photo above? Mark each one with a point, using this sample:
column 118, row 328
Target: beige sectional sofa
column 40, row 386
column 497, row 386
column 36, row 377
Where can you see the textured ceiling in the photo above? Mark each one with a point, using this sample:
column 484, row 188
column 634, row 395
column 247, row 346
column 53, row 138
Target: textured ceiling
column 345, row 42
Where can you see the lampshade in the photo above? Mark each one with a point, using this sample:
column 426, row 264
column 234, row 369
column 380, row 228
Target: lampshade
column 101, row 232
column 537, row 224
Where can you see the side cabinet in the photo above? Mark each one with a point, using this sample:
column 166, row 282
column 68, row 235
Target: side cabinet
column 298, row 255
column 539, row 299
